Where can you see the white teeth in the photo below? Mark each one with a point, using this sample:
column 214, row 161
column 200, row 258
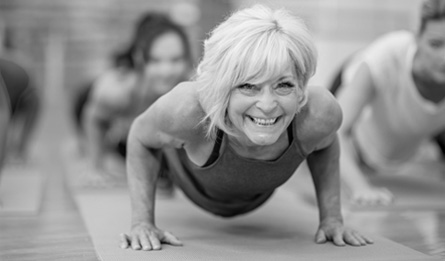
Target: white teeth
column 265, row 122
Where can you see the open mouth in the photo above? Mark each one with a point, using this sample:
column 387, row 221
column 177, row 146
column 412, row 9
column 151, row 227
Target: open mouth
column 264, row 122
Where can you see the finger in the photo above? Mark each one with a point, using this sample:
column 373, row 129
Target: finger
column 169, row 238
column 351, row 239
column 124, row 240
column 320, row 237
column 338, row 239
column 361, row 241
column 135, row 244
column 145, row 242
column 155, row 243
column 365, row 239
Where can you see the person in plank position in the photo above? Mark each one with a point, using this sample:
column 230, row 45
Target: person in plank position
column 392, row 96
column 240, row 129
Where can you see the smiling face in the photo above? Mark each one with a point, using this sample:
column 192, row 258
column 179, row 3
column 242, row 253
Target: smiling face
column 260, row 112
column 430, row 56
column 167, row 64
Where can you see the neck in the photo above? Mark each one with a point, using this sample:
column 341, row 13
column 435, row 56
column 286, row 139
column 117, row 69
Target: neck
column 253, row 151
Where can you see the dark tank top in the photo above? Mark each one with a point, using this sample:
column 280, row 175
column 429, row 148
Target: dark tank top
column 15, row 79
column 234, row 185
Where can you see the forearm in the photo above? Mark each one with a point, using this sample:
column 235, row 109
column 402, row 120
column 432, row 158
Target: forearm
column 96, row 133
column 350, row 172
column 324, row 167
column 142, row 173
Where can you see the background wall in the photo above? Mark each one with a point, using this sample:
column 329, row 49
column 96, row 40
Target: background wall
column 69, row 42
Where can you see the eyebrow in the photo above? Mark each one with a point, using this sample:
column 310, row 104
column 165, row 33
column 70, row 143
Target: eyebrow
column 286, row 77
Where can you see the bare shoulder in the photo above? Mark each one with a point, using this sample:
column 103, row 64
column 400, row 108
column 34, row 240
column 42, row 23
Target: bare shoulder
column 321, row 117
column 324, row 109
column 175, row 117
column 180, row 108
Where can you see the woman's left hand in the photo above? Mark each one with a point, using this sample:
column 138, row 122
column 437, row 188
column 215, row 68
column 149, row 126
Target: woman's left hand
column 340, row 235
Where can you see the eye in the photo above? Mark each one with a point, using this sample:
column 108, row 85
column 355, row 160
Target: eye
column 246, row 86
column 248, row 89
column 285, row 88
column 286, row 85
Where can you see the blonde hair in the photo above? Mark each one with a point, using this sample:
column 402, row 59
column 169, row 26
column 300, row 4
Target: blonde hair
column 253, row 44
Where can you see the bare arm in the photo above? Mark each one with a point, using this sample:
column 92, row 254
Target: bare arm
column 352, row 99
column 324, row 167
column 142, row 169
column 320, row 131
column 156, row 128
column 96, row 123
column 107, row 100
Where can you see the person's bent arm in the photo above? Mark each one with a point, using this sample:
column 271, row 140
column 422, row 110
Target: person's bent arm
column 97, row 121
column 352, row 99
column 142, row 173
column 324, row 166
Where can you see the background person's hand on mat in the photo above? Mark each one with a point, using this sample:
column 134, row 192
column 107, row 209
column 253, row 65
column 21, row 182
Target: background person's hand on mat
column 340, row 235
column 372, row 196
column 147, row 237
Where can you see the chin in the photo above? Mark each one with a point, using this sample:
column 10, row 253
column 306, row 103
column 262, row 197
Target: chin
column 263, row 141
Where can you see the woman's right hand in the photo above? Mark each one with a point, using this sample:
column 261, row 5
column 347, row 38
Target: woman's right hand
column 147, row 237
column 372, row 196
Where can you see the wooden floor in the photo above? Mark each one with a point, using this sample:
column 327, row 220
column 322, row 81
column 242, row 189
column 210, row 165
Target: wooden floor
column 58, row 232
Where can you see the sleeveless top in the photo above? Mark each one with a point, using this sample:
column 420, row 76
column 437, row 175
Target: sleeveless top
column 234, row 185
column 15, row 79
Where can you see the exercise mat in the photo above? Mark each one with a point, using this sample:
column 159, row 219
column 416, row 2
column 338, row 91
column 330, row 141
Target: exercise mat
column 282, row 229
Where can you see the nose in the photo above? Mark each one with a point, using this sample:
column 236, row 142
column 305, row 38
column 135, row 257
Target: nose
column 267, row 101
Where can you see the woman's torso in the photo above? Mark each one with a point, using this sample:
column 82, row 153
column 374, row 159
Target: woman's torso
column 234, row 174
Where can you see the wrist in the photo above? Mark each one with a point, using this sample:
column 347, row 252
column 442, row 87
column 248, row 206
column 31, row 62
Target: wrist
column 338, row 219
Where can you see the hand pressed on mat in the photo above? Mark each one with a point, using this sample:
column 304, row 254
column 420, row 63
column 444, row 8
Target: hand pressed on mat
column 340, row 235
column 147, row 237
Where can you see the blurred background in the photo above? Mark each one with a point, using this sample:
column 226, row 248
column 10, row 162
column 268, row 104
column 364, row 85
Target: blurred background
column 67, row 42
column 64, row 43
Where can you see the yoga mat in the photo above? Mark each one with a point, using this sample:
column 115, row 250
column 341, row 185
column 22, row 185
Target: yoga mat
column 410, row 193
column 20, row 191
column 282, row 229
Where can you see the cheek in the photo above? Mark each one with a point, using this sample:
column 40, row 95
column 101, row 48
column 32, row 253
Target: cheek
column 290, row 104
column 237, row 107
